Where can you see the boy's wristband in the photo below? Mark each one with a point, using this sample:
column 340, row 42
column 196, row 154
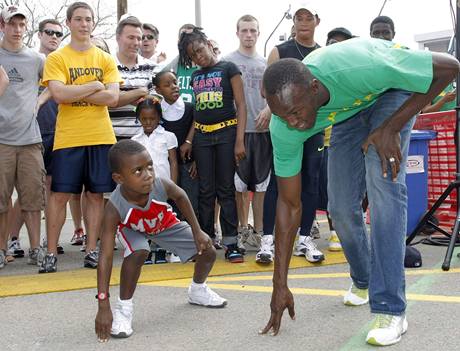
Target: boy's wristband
column 102, row 296
column 188, row 141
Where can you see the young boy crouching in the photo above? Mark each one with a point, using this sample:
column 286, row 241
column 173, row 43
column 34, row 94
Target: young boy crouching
column 138, row 211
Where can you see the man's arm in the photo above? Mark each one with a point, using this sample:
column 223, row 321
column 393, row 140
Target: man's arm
column 264, row 117
column 130, row 96
column 288, row 214
column 241, row 115
column 4, row 80
column 66, row 94
column 450, row 96
column 104, row 317
column 386, row 138
column 107, row 97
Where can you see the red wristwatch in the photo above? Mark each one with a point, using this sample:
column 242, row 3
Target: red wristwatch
column 102, row 296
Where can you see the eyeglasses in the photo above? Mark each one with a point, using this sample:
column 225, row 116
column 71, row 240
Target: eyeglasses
column 148, row 37
column 50, row 33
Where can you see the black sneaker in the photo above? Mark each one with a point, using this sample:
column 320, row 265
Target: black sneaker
column 233, row 254
column 60, row 250
column 160, row 256
column 148, row 260
column 49, row 264
column 14, row 246
column 91, row 259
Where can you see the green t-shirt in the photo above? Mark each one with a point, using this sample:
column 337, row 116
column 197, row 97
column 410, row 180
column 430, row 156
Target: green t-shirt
column 355, row 72
column 448, row 105
column 184, row 75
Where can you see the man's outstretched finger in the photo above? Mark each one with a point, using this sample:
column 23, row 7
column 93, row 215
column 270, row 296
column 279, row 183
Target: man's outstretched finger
column 267, row 327
column 291, row 312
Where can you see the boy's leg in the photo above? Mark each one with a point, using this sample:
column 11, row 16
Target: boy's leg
column 179, row 239
column 130, row 272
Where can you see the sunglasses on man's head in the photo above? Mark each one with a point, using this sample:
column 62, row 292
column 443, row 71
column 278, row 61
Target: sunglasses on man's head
column 53, row 32
column 148, row 37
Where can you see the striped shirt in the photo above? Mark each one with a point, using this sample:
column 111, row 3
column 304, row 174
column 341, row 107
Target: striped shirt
column 124, row 118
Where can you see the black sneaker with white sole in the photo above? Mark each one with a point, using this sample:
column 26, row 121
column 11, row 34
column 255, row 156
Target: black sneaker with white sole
column 49, row 264
column 91, row 259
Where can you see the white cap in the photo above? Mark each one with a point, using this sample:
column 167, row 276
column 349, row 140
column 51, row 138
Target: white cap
column 10, row 11
column 303, row 5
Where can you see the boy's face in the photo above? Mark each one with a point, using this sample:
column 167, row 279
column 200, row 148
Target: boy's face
column 305, row 24
column 81, row 24
column 248, row 33
column 149, row 41
column 49, row 38
column 14, row 30
column 129, row 41
column 137, row 173
column 382, row 31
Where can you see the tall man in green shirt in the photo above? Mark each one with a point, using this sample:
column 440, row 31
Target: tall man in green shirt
column 355, row 85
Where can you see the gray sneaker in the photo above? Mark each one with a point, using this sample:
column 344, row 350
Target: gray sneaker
column 2, row 258
column 49, row 264
column 33, row 256
column 91, row 259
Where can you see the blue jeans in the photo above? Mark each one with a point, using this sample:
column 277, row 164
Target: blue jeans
column 214, row 154
column 379, row 267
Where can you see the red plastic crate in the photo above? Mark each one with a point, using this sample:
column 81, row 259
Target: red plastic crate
column 441, row 162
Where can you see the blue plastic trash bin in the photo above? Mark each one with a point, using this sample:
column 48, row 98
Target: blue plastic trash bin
column 417, row 176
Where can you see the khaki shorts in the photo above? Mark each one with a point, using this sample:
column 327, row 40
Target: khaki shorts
column 22, row 167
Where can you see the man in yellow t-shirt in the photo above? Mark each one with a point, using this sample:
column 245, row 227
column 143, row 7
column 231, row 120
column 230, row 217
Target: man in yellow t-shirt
column 84, row 81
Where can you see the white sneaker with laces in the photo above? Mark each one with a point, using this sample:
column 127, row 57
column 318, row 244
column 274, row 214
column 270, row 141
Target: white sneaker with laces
column 266, row 252
column 387, row 330
column 172, row 258
column 122, row 319
column 356, row 296
column 202, row 295
column 306, row 247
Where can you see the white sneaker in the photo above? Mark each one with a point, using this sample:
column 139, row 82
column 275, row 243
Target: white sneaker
column 172, row 258
column 334, row 242
column 356, row 296
column 202, row 295
column 254, row 239
column 387, row 330
column 122, row 319
column 306, row 247
column 266, row 252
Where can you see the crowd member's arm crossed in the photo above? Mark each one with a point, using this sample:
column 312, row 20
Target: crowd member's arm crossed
column 93, row 92
column 4, row 80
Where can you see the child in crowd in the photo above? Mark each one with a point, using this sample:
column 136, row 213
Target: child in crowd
column 220, row 122
column 138, row 211
column 177, row 118
column 160, row 143
column 161, row 146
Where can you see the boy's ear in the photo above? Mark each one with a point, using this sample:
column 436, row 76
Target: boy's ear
column 117, row 178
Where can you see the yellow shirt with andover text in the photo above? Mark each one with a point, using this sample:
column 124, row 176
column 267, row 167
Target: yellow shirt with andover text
column 81, row 123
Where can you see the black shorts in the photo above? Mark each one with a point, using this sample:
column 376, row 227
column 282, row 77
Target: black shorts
column 48, row 143
column 322, row 198
column 80, row 166
column 254, row 169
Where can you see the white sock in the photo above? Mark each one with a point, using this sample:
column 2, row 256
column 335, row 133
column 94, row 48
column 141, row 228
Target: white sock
column 125, row 302
column 197, row 285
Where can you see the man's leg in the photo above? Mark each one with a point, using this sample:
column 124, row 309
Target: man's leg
column 388, row 203
column 31, row 193
column 258, row 210
column 95, row 211
column 242, row 206
column 346, row 188
column 8, row 164
column 57, row 212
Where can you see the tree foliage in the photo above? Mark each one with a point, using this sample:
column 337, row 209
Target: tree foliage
column 37, row 10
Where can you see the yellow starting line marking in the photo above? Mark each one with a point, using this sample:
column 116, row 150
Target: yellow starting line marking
column 183, row 283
